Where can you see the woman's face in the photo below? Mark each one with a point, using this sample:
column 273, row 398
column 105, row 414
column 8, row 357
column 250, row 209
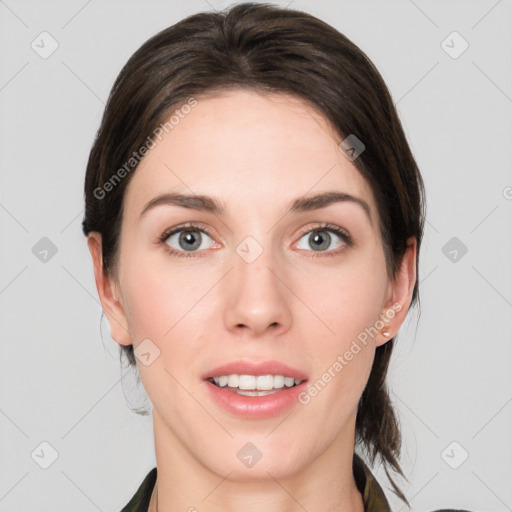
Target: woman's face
column 253, row 282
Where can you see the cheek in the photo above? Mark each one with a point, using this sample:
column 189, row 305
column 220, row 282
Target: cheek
column 347, row 299
column 347, row 303
column 149, row 305
column 164, row 302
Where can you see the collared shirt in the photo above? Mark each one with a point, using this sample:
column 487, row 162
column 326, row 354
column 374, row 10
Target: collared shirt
column 374, row 499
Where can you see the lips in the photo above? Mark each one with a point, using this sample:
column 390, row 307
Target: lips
column 245, row 367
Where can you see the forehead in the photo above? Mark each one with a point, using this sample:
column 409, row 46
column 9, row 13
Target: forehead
column 247, row 149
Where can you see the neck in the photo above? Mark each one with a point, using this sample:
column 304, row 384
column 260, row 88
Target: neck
column 183, row 483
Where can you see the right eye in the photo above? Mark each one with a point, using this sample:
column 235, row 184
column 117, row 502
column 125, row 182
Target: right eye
column 186, row 241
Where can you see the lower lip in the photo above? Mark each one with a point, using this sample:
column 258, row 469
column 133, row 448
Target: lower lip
column 255, row 407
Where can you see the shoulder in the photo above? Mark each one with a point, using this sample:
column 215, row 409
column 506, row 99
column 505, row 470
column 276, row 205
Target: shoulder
column 140, row 500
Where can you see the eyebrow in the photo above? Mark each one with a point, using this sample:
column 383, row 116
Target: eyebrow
column 213, row 205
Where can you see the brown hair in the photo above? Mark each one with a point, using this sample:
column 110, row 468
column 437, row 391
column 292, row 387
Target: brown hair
column 269, row 49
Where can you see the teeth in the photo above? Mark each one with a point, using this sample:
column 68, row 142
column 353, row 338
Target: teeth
column 255, row 382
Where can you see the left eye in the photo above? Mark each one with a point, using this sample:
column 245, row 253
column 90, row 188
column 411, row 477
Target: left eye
column 189, row 240
column 320, row 239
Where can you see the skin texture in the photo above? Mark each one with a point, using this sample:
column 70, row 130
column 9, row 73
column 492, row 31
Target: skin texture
column 256, row 153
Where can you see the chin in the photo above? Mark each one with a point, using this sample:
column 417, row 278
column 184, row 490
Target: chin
column 256, row 459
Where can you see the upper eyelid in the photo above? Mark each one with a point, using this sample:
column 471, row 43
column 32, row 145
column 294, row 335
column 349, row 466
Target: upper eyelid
column 327, row 226
column 187, row 227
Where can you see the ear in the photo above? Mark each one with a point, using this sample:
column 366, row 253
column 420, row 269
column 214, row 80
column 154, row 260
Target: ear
column 108, row 291
column 399, row 294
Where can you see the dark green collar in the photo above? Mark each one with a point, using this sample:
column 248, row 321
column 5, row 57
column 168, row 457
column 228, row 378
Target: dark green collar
column 140, row 500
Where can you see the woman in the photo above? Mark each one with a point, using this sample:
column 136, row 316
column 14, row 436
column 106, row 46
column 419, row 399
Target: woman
column 254, row 216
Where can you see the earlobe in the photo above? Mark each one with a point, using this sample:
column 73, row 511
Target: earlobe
column 108, row 293
column 400, row 294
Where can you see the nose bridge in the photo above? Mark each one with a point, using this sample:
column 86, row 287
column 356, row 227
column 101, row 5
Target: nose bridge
column 257, row 298
column 253, row 262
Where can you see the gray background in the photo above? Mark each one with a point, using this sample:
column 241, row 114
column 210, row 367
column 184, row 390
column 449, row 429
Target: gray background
column 451, row 373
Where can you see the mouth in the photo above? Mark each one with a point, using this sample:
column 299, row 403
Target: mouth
column 254, row 385
column 255, row 378
column 255, row 389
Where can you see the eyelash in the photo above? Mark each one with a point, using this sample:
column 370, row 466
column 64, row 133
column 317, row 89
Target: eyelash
column 191, row 227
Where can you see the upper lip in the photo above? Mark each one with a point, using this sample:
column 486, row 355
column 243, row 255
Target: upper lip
column 245, row 367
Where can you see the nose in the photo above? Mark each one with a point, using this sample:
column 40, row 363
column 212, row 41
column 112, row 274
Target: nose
column 257, row 300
